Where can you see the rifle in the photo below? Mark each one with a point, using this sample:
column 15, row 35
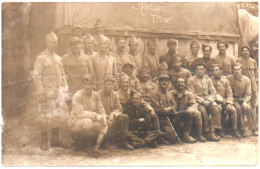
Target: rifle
column 178, row 139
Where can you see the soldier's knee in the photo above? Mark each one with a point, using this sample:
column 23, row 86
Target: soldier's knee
column 82, row 125
column 232, row 111
column 197, row 114
column 123, row 116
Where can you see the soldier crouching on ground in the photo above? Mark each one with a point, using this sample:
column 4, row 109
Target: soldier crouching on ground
column 224, row 97
column 242, row 92
column 88, row 116
column 49, row 77
column 164, row 105
column 144, row 128
column 186, row 103
column 117, row 122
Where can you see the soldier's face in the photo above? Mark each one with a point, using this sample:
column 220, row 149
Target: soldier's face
column 163, row 83
column 77, row 32
column 180, row 83
column 200, row 71
column 124, row 84
column 103, row 46
column 121, row 45
column 88, row 44
column 172, row 47
column 237, row 71
column 128, row 69
column 133, row 45
column 194, row 49
column 245, row 52
column 222, row 48
column 151, row 47
column 144, row 77
column 76, row 47
column 99, row 29
column 207, row 52
column 109, row 85
column 51, row 44
column 88, row 86
column 177, row 64
column 136, row 99
column 163, row 72
column 216, row 71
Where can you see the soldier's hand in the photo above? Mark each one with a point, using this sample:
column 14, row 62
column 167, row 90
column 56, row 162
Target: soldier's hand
column 42, row 98
column 141, row 119
column 246, row 105
column 167, row 109
column 153, row 113
column 206, row 103
column 229, row 107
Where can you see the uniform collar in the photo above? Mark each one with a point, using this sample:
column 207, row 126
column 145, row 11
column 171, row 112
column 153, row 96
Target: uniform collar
column 175, row 92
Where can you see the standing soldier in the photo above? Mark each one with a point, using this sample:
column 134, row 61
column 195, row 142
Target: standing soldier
column 88, row 116
column 172, row 53
column 117, row 122
column 88, row 42
column 138, row 58
column 186, row 103
column 250, row 69
column 225, row 60
column 76, row 65
column 241, row 86
column 49, row 78
column 99, row 30
column 194, row 52
column 151, row 58
column 120, row 55
column 103, row 63
column 124, row 89
column 204, row 93
column 178, row 71
column 164, row 105
column 206, row 60
column 224, row 97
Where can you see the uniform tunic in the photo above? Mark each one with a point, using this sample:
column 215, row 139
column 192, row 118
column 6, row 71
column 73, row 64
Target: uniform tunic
column 122, row 59
column 138, row 60
column 153, row 63
column 173, row 75
column 226, row 62
column 208, row 63
column 169, row 58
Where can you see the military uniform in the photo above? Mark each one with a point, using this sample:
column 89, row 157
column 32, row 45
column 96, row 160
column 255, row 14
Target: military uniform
column 226, row 62
column 138, row 60
column 49, row 79
column 207, row 62
column 203, row 89
column 190, row 59
column 153, row 63
column 124, row 96
column 169, row 58
column 242, row 92
column 173, row 74
column 135, row 84
column 161, row 100
column 224, row 97
column 121, row 59
column 142, row 133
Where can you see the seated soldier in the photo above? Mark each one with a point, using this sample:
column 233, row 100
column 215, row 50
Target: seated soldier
column 128, row 69
column 88, row 115
column 164, row 105
column 117, row 122
column 178, row 71
column 224, row 98
column 146, row 83
column 124, row 89
column 144, row 129
column 163, row 69
column 204, row 93
column 242, row 92
column 186, row 103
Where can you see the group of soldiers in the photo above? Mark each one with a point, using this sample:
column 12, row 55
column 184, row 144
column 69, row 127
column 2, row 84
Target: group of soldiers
column 135, row 100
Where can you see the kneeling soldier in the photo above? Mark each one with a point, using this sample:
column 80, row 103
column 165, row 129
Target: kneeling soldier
column 144, row 127
column 88, row 115
column 117, row 122
column 165, row 107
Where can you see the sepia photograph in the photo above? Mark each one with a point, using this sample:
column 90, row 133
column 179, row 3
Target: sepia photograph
column 130, row 83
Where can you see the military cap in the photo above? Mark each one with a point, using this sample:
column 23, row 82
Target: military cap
column 177, row 58
column 51, row 36
column 151, row 40
column 101, row 38
column 133, row 39
column 128, row 63
column 204, row 46
column 89, row 77
column 172, row 41
column 245, row 46
column 164, row 76
column 216, row 65
column 144, row 70
column 122, row 77
column 109, row 78
column 194, row 42
column 87, row 36
column 74, row 39
column 98, row 22
column 225, row 43
column 163, row 66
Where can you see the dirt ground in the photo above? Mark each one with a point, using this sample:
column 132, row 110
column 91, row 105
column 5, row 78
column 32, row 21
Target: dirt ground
column 228, row 151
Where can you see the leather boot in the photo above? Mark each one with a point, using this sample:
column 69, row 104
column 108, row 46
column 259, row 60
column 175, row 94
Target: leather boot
column 161, row 141
column 236, row 134
column 243, row 133
column 44, row 141
column 200, row 138
column 254, row 133
column 95, row 149
column 124, row 144
column 139, row 144
column 211, row 137
column 187, row 138
column 55, row 141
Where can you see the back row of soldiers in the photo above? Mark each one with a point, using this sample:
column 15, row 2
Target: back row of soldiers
column 146, row 100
